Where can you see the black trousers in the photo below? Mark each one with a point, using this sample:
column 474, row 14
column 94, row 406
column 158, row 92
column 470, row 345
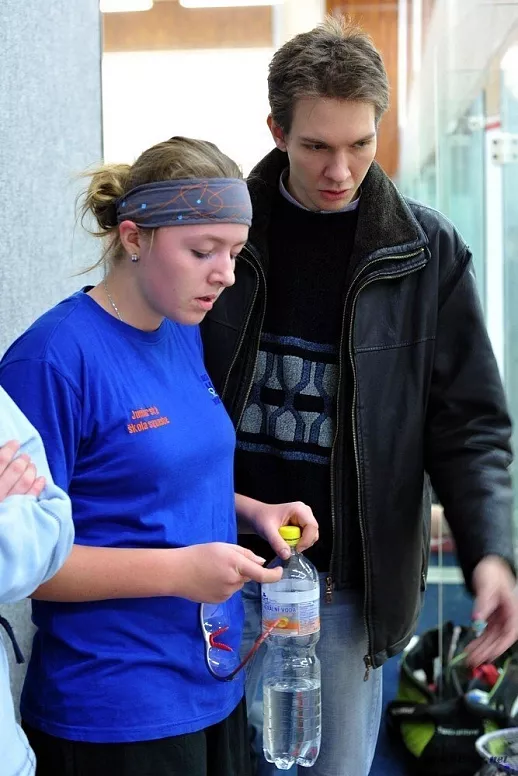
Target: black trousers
column 219, row 750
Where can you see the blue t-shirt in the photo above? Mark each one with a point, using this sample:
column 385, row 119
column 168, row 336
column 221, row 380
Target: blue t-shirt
column 135, row 433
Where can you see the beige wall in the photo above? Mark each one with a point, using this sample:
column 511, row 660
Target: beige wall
column 50, row 129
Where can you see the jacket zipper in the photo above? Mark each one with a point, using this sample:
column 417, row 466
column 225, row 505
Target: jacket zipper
column 367, row 658
column 329, row 587
column 259, row 273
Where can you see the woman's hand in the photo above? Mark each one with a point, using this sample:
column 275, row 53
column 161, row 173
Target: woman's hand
column 266, row 519
column 18, row 476
column 213, row 572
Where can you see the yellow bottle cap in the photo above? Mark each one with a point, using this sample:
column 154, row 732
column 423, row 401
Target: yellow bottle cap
column 290, row 534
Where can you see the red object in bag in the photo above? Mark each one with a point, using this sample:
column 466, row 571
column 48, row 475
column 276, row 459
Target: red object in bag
column 488, row 673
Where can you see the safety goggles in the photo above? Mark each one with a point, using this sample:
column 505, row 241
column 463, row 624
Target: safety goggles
column 223, row 661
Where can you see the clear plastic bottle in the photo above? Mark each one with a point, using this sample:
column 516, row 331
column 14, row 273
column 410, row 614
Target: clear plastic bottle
column 291, row 673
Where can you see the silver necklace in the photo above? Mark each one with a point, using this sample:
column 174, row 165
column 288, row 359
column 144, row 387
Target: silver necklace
column 119, row 316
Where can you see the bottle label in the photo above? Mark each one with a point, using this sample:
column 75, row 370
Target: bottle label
column 296, row 613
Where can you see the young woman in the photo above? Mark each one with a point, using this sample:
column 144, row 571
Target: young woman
column 114, row 380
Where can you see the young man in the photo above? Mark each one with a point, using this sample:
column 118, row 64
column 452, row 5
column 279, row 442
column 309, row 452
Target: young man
column 354, row 359
column 36, row 535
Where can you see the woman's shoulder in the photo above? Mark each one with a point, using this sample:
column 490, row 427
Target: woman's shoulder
column 55, row 336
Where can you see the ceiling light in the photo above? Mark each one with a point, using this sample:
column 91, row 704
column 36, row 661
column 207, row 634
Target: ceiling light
column 125, row 6
column 226, row 3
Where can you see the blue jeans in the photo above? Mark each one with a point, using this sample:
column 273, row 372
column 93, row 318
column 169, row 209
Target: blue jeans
column 351, row 707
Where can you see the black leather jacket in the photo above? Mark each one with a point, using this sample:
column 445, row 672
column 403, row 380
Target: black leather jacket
column 426, row 395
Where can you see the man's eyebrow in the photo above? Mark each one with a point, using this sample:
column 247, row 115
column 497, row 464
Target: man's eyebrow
column 317, row 141
column 370, row 136
column 313, row 140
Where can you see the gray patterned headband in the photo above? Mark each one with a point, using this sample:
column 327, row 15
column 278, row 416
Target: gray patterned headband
column 187, row 201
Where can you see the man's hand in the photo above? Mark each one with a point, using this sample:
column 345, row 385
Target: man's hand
column 18, row 476
column 268, row 518
column 496, row 604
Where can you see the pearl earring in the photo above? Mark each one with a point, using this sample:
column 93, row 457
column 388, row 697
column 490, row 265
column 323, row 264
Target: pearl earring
column 134, row 257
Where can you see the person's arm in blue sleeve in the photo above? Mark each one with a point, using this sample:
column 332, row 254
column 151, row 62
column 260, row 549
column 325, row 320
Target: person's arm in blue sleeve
column 36, row 533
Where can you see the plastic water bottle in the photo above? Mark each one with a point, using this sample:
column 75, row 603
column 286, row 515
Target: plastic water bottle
column 291, row 673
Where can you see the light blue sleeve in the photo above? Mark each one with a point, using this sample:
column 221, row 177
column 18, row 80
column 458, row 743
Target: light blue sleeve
column 36, row 535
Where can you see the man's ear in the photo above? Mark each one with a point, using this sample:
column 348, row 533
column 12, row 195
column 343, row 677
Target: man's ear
column 130, row 237
column 277, row 133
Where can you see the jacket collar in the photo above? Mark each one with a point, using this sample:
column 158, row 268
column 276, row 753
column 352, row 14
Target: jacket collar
column 386, row 225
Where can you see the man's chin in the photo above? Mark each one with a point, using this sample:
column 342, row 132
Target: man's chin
column 333, row 207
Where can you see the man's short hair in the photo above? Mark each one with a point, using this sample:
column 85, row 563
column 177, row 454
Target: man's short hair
column 336, row 59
